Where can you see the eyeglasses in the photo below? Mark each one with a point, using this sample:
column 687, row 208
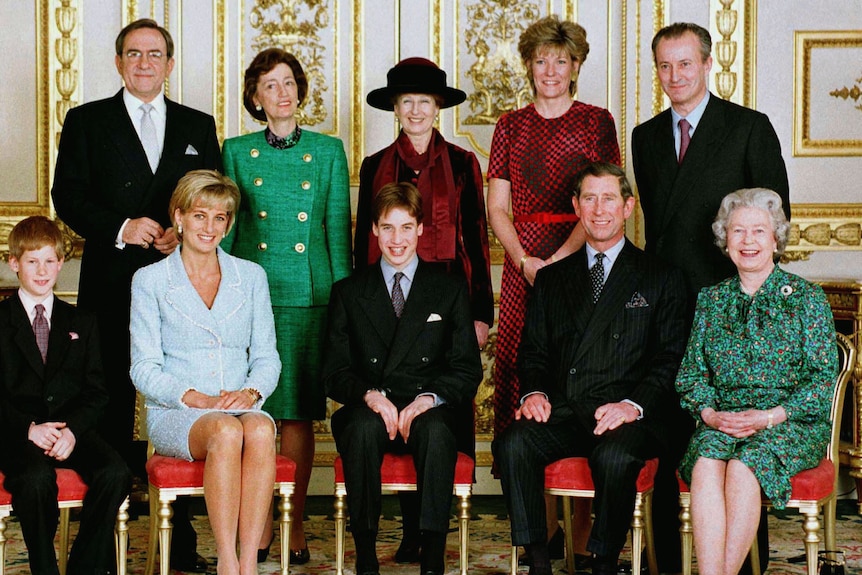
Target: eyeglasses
column 136, row 55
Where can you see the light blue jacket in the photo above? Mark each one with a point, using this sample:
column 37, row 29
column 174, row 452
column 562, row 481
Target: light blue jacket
column 179, row 344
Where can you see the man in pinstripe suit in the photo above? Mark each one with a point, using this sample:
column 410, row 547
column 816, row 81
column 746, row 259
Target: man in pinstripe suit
column 598, row 359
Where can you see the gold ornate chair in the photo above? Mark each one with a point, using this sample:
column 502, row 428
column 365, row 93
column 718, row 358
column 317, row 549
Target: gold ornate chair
column 71, row 492
column 399, row 474
column 811, row 490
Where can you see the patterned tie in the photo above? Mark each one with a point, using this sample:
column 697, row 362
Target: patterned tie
column 148, row 137
column 397, row 295
column 40, row 329
column 684, row 138
column 597, row 276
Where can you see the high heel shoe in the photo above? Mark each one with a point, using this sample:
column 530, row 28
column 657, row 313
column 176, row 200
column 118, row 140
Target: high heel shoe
column 299, row 556
column 262, row 554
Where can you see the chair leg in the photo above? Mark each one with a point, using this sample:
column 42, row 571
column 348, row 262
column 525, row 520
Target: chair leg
column 152, row 540
column 685, row 531
column 340, row 528
column 513, row 562
column 649, row 535
column 637, row 533
column 165, row 527
column 754, row 557
column 284, row 509
column 811, row 526
column 63, row 555
column 464, row 530
column 121, row 536
column 567, row 527
column 3, row 516
column 829, row 522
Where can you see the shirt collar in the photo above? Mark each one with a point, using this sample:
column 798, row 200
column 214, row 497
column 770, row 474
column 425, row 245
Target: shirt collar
column 695, row 115
column 133, row 104
column 29, row 303
column 610, row 254
column 409, row 270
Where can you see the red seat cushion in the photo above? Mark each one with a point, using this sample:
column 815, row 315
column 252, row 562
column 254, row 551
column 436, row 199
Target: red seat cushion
column 813, row 484
column 399, row 469
column 70, row 487
column 574, row 473
column 169, row 472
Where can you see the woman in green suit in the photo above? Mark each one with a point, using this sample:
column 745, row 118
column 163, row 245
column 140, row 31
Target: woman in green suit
column 294, row 220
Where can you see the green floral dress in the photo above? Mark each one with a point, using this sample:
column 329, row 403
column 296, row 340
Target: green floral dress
column 757, row 352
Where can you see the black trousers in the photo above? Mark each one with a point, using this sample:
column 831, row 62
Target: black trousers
column 616, row 458
column 361, row 439
column 32, row 480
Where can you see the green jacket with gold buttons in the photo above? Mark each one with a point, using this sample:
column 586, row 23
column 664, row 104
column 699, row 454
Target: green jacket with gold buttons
column 294, row 214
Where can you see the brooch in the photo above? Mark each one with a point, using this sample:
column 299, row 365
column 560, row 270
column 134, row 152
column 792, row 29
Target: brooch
column 786, row 290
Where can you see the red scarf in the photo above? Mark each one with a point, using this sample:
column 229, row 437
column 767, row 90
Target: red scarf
column 437, row 186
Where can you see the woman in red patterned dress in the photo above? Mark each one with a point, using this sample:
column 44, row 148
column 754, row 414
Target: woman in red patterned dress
column 536, row 154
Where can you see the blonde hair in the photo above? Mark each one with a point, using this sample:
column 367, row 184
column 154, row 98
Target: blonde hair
column 207, row 188
column 551, row 32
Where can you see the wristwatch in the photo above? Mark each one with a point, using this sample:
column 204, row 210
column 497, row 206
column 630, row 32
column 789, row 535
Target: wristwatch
column 379, row 390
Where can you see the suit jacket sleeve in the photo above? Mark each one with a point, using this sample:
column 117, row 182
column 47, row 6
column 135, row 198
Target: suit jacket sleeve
column 343, row 381
column 474, row 226
column 534, row 356
column 338, row 216
column 764, row 162
column 264, row 364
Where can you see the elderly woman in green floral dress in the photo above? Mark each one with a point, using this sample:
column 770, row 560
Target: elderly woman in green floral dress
column 757, row 376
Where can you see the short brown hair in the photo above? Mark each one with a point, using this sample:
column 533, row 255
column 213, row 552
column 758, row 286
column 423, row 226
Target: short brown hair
column 34, row 233
column 263, row 63
column 144, row 23
column 402, row 195
column 601, row 169
column 210, row 189
column 680, row 29
column 551, row 32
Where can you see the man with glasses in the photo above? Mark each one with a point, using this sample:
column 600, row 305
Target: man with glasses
column 118, row 163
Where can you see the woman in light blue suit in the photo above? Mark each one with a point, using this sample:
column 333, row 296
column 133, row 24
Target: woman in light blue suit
column 204, row 356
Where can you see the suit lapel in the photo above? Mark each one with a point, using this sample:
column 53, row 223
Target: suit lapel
column 579, row 290
column 618, row 289
column 420, row 302
column 24, row 338
column 59, row 339
column 377, row 305
column 125, row 139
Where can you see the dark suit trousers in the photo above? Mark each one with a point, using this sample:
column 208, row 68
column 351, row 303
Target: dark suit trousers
column 616, row 458
column 32, row 481
column 361, row 439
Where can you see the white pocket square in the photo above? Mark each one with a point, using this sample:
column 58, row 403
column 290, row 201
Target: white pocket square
column 190, row 150
column 434, row 317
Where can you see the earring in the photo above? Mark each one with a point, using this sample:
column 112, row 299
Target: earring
column 179, row 229
column 258, row 107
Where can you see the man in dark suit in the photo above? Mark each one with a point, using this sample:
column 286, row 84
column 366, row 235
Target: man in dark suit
column 52, row 394
column 682, row 176
column 604, row 333
column 402, row 356
column 119, row 161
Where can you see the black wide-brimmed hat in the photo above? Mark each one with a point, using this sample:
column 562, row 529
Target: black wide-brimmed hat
column 414, row 76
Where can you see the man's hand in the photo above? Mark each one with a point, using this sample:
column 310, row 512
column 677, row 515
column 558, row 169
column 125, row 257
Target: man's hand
column 142, row 232
column 64, row 446
column 418, row 406
column 612, row 415
column 387, row 411
column 168, row 242
column 536, row 407
column 45, row 435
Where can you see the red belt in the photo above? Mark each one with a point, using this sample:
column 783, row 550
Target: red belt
column 545, row 218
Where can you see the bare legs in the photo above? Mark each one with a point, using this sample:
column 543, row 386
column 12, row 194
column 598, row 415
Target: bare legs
column 725, row 510
column 238, row 480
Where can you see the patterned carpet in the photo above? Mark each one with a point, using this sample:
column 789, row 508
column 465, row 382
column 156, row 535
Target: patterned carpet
column 489, row 542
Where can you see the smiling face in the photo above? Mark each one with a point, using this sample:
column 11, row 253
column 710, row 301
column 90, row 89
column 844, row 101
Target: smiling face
column 144, row 63
column 277, row 93
column 553, row 70
column 397, row 237
column 416, row 113
column 203, row 227
column 683, row 73
column 37, row 271
column 603, row 211
column 751, row 241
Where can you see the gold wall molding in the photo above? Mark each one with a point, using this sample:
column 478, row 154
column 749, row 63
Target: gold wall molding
column 809, row 101
column 824, row 228
column 734, row 41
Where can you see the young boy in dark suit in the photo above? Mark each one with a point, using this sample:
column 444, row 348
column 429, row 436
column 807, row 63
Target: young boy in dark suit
column 52, row 394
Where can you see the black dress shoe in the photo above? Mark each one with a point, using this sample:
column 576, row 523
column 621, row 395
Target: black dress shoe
column 429, row 572
column 190, row 564
column 262, row 554
column 300, row 556
column 556, row 549
column 408, row 551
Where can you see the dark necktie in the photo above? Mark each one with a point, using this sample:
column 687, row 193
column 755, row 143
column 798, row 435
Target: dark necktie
column 148, row 137
column 684, row 138
column 40, row 329
column 597, row 276
column 397, row 295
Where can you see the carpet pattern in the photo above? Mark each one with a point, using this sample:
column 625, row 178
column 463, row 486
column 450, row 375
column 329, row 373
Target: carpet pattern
column 489, row 543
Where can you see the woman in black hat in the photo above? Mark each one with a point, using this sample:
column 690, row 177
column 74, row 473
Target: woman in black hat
column 455, row 226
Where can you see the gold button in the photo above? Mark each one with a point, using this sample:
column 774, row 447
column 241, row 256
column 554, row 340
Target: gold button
column 258, row 181
column 302, row 216
column 262, row 246
column 254, row 153
column 262, row 214
column 306, row 158
column 300, row 248
column 306, row 185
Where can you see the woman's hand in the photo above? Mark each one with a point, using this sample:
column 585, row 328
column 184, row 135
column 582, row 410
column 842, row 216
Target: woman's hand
column 742, row 424
column 531, row 268
column 240, row 399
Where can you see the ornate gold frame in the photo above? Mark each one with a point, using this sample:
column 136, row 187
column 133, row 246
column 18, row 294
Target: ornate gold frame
column 805, row 42
column 824, row 228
